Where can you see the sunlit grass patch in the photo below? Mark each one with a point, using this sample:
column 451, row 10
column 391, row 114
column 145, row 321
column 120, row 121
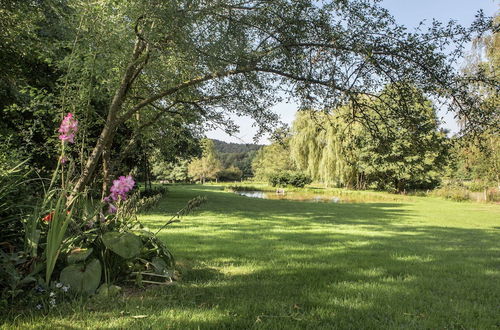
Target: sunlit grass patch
column 244, row 263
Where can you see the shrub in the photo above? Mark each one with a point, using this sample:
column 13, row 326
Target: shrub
column 454, row 192
column 16, row 198
column 230, row 174
column 477, row 186
column 288, row 178
column 234, row 188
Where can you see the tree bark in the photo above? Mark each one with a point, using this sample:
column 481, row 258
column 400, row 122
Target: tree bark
column 107, row 132
column 106, row 170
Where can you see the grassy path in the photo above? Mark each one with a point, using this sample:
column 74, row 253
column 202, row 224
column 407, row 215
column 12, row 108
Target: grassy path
column 250, row 263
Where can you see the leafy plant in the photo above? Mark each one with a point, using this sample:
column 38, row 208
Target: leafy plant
column 82, row 277
column 14, row 201
column 126, row 245
column 60, row 219
column 285, row 178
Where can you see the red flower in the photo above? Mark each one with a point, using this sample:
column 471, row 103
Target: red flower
column 48, row 217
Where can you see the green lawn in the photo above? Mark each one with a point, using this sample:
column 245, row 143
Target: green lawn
column 249, row 263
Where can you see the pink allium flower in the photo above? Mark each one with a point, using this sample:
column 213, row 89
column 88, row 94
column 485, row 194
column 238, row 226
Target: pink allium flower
column 68, row 128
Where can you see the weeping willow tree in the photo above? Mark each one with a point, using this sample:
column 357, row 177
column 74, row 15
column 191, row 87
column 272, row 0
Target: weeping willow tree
column 321, row 147
column 397, row 146
column 127, row 67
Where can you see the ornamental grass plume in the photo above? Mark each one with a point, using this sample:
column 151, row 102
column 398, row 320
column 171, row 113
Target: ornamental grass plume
column 68, row 128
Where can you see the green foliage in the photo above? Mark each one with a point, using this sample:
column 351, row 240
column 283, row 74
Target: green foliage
column 174, row 171
column 319, row 148
column 401, row 148
column 15, row 199
column 477, row 155
column 237, row 155
column 126, row 245
column 13, row 276
column 156, row 254
column 208, row 165
column 452, row 191
column 289, row 178
column 60, row 220
column 82, row 278
column 235, row 148
column 231, row 173
column 467, row 190
column 245, row 187
column 272, row 159
column 152, row 80
column 478, row 159
column 241, row 160
column 408, row 152
column 31, row 33
column 78, row 255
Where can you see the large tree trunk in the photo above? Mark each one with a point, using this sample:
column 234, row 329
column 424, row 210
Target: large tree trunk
column 106, row 169
column 93, row 160
column 106, row 138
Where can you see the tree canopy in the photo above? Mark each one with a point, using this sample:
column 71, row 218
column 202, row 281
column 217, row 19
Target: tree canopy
column 131, row 66
column 208, row 165
column 389, row 151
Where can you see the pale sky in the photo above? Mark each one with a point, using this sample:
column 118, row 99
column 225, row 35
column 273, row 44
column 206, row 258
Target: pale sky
column 407, row 12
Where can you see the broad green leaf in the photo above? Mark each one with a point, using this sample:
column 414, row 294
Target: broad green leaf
column 126, row 245
column 78, row 255
column 82, row 278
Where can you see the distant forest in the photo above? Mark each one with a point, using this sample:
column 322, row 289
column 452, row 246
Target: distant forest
column 237, row 154
column 235, row 148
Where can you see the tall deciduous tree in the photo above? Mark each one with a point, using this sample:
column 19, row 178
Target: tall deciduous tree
column 132, row 63
column 271, row 160
column 319, row 147
column 30, row 32
column 478, row 155
column 391, row 150
column 206, row 167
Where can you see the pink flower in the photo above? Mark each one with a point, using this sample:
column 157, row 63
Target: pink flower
column 121, row 187
column 118, row 191
column 68, row 128
column 112, row 208
column 64, row 160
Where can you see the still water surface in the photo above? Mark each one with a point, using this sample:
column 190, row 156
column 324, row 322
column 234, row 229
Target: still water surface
column 295, row 196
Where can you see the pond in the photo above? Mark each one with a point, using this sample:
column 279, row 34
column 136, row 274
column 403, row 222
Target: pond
column 294, row 196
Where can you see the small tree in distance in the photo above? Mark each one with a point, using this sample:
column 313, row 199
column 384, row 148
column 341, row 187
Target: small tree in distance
column 208, row 165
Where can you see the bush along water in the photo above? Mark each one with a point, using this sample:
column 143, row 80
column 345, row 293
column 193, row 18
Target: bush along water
column 74, row 244
column 289, row 178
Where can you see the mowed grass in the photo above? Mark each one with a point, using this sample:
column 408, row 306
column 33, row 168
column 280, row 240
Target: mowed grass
column 420, row 263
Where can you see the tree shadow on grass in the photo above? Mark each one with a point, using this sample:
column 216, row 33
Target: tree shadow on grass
column 405, row 276
column 286, row 265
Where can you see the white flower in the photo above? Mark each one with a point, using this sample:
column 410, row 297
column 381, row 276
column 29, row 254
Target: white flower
column 38, row 306
column 52, row 294
column 65, row 288
column 52, row 302
column 59, row 285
